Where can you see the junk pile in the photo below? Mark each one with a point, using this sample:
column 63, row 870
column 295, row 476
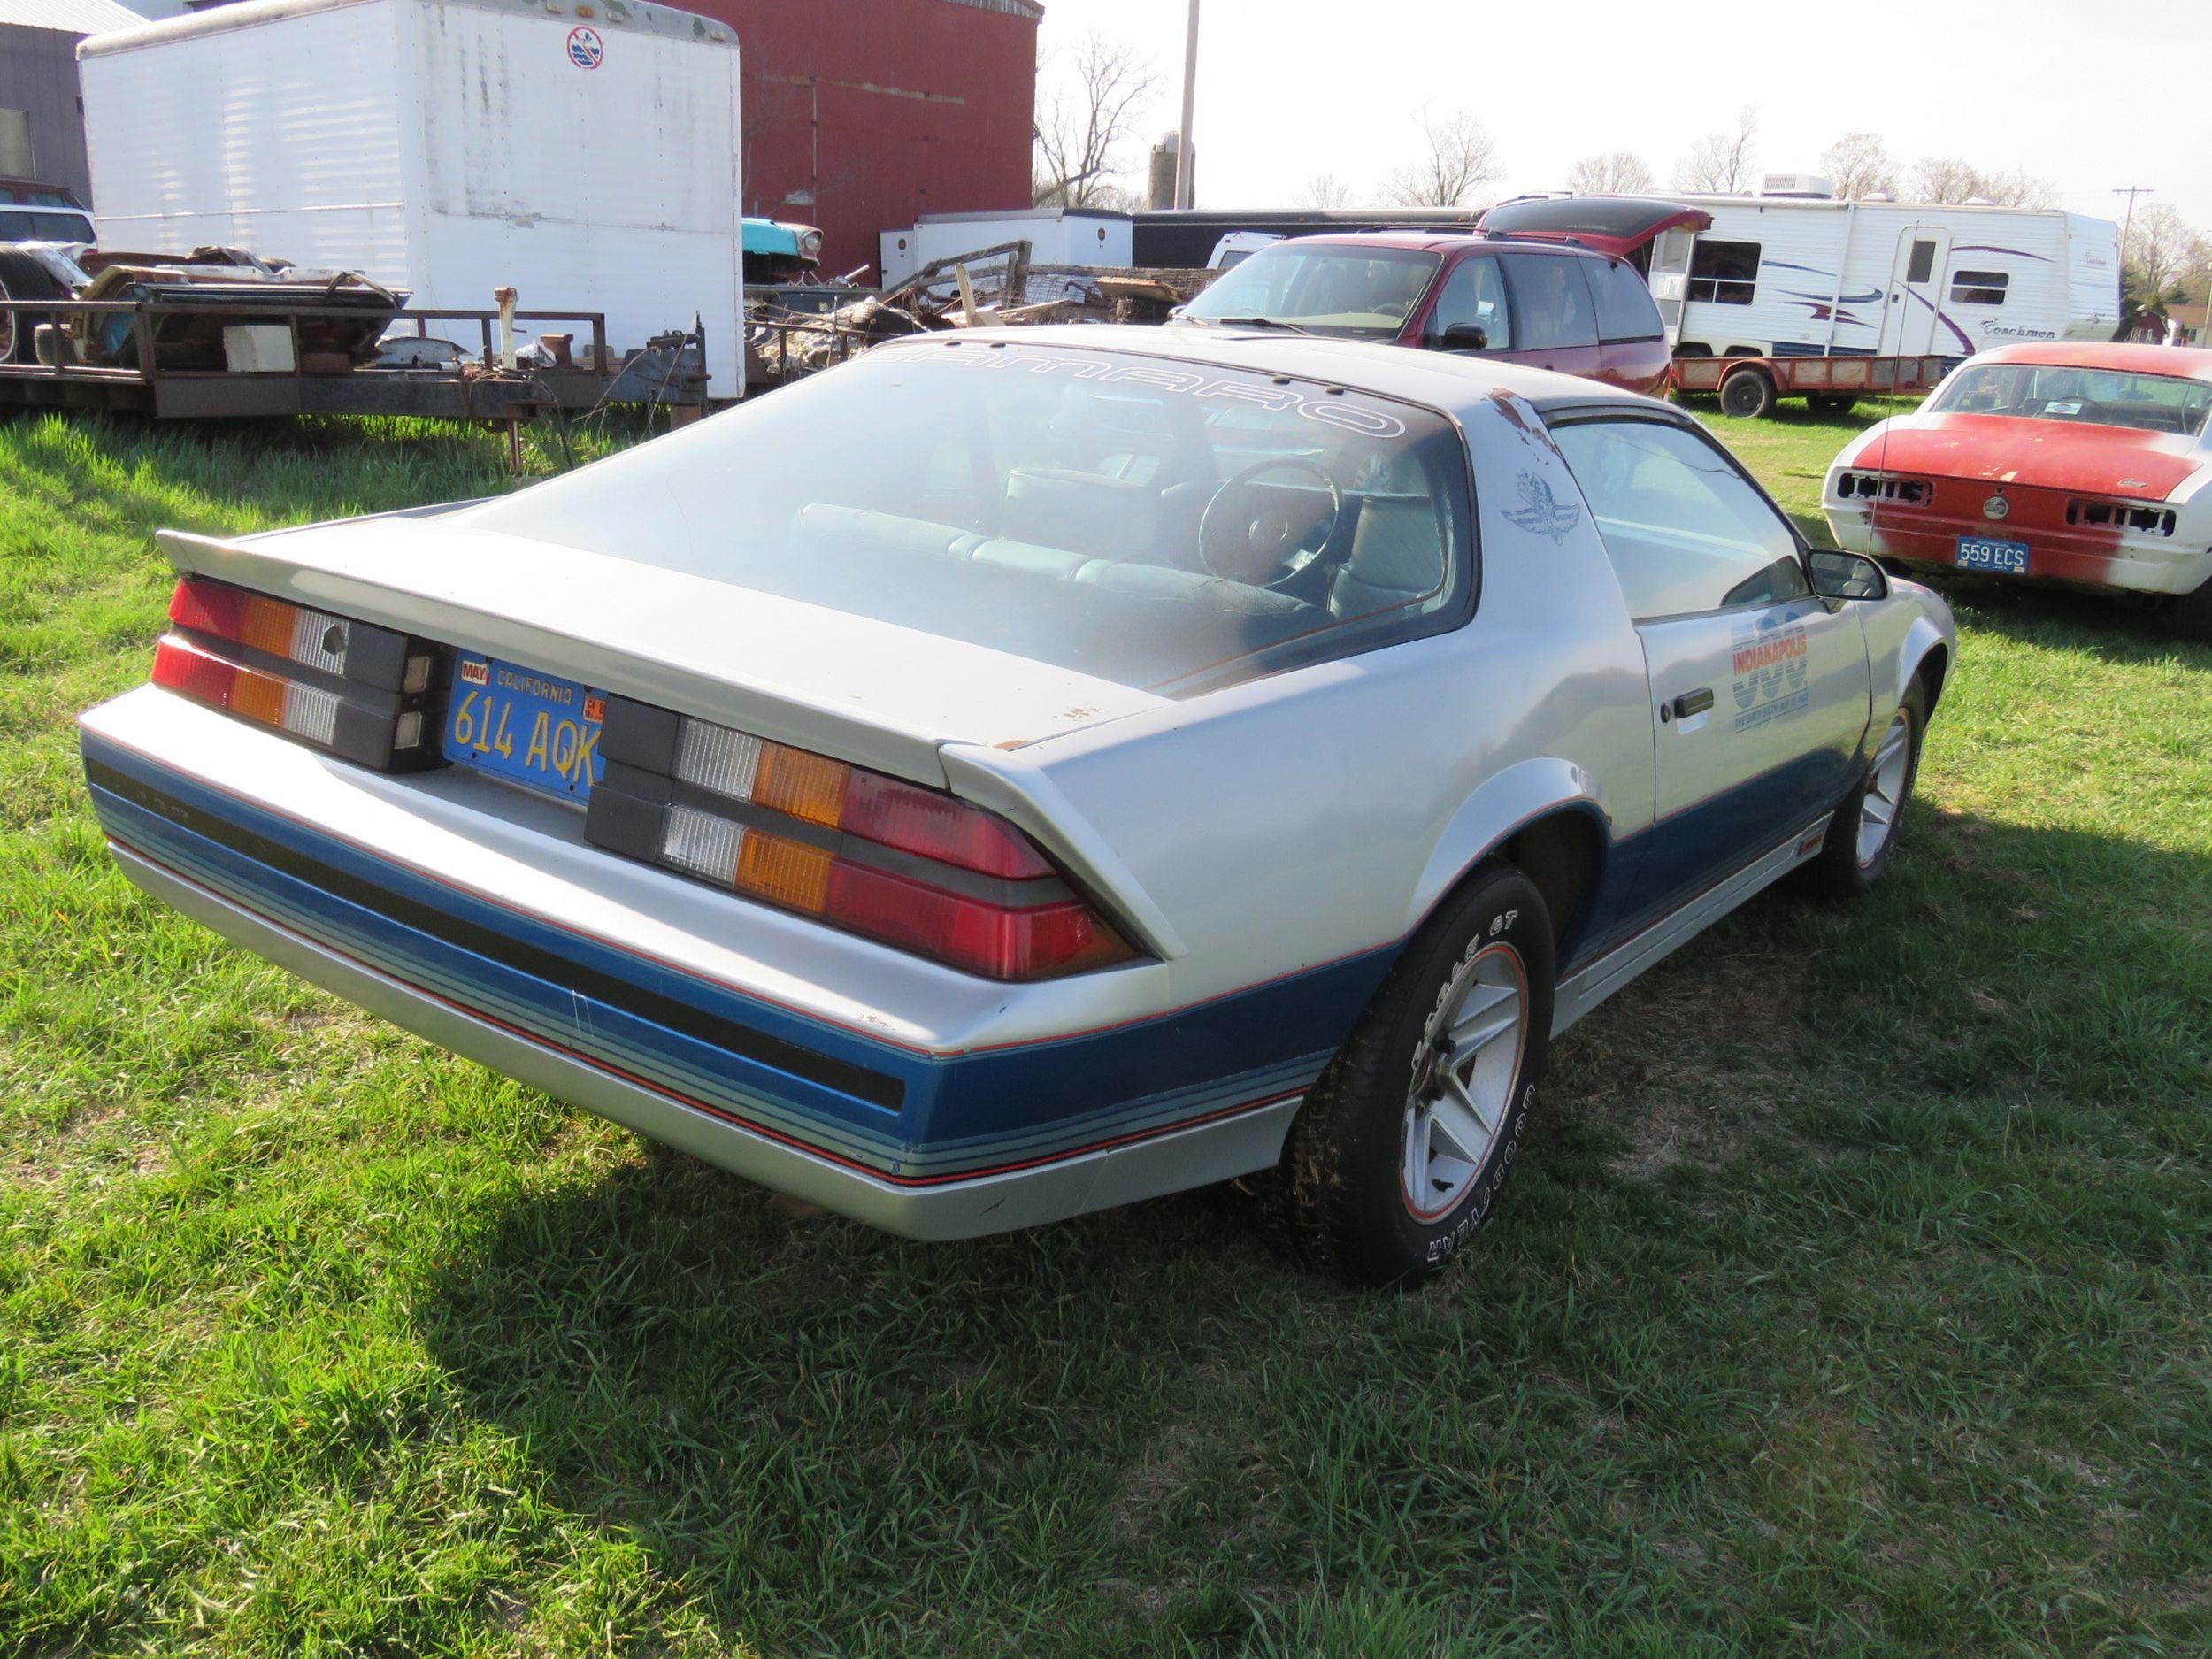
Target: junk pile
column 261, row 327
column 988, row 288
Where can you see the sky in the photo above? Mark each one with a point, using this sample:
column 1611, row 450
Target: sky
column 1288, row 89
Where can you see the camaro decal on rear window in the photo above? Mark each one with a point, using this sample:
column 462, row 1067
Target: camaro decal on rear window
column 1330, row 408
column 1768, row 665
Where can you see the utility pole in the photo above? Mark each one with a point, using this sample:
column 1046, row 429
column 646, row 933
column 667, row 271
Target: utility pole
column 1185, row 181
column 2131, row 191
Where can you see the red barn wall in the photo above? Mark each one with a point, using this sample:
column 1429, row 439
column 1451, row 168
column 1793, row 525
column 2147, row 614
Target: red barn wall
column 860, row 115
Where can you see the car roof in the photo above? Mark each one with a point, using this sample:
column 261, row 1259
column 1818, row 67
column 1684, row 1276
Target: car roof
column 1440, row 380
column 1419, row 238
column 2181, row 362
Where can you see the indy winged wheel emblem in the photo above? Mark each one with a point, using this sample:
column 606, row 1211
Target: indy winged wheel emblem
column 1542, row 513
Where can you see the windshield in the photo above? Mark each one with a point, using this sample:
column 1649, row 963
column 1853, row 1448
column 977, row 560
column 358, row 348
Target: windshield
column 1326, row 288
column 2099, row 398
column 1158, row 524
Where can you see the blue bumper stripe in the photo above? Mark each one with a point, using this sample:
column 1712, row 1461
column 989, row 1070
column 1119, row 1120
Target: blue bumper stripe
column 907, row 1115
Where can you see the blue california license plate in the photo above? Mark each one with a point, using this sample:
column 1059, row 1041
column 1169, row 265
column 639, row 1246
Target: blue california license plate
column 1980, row 553
column 516, row 723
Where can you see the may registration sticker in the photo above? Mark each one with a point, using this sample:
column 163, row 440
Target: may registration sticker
column 524, row 725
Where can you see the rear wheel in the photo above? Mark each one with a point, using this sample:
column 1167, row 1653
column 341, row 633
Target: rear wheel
column 1748, row 394
column 1399, row 1153
column 1863, row 835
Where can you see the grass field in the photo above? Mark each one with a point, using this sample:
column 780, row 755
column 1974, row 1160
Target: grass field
column 1853, row 1297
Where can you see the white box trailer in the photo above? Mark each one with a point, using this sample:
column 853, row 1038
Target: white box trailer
column 1807, row 275
column 1056, row 236
column 446, row 147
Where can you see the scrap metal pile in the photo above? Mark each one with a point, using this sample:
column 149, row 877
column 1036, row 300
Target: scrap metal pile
column 794, row 332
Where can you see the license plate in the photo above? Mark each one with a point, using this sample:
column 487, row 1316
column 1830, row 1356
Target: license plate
column 527, row 726
column 1980, row 553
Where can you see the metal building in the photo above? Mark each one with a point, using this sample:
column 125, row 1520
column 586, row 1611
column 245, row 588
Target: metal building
column 41, row 118
column 860, row 115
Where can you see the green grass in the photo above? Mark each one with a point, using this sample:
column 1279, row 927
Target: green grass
column 1852, row 1298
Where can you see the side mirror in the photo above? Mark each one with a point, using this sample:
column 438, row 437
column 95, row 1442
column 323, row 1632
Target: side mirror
column 1464, row 337
column 1847, row 576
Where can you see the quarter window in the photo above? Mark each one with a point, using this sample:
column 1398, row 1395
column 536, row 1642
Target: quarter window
column 1978, row 287
column 1686, row 530
column 1724, row 272
column 1626, row 311
column 1552, row 303
column 1474, row 293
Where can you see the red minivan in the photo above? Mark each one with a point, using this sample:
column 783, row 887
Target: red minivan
column 1547, row 305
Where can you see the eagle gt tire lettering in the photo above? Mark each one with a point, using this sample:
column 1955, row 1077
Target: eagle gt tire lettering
column 1402, row 1149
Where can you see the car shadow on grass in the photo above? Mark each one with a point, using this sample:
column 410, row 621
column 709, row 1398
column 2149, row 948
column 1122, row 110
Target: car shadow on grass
column 811, row 1425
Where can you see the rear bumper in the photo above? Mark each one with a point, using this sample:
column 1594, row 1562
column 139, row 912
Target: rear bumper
column 1167, row 1163
column 2134, row 563
column 543, row 960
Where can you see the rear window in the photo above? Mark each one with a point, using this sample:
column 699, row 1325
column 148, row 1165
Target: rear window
column 1324, row 287
column 18, row 225
column 2097, row 397
column 1626, row 311
column 1159, row 524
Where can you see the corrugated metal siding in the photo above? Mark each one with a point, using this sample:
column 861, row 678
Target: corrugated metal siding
column 863, row 115
column 38, row 75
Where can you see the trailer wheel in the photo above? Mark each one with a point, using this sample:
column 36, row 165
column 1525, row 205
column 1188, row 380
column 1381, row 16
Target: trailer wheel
column 1748, row 394
column 1835, row 406
column 23, row 277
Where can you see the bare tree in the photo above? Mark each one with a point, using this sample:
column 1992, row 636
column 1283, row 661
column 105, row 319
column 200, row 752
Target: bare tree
column 1616, row 173
column 1947, row 178
column 1325, row 189
column 1723, row 163
column 1859, row 166
column 2164, row 259
column 1460, row 158
column 1086, row 120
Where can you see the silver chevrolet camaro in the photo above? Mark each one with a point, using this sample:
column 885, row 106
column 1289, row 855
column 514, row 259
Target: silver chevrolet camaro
column 1022, row 772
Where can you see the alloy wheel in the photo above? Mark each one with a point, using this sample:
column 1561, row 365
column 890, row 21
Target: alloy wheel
column 1464, row 1080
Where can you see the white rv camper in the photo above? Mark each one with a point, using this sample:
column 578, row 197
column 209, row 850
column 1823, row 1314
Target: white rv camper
column 1794, row 273
column 448, row 148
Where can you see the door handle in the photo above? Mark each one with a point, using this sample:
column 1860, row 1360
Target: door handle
column 1688, row 704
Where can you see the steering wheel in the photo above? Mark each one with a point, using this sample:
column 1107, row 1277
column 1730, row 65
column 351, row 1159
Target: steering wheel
column 1248, row 535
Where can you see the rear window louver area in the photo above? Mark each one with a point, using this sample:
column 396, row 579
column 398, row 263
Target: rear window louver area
column 1910, row 492
column 2120, row 515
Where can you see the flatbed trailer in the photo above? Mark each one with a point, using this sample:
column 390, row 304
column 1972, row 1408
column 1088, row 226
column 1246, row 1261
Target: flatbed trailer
column 669, row 374
column 1750, row 387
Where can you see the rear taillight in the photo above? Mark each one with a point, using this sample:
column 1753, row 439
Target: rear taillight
column 359, row 691
column 912, row 867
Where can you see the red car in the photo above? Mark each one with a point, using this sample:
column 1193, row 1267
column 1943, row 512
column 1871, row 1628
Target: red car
column 2084, row 465
column 1547, row 305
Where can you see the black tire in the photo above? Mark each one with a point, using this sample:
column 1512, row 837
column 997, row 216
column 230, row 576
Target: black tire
column 23, row 277
column 1833, row 405
column 1340, row 1197
column 1748, row 394
column 1838, row 870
